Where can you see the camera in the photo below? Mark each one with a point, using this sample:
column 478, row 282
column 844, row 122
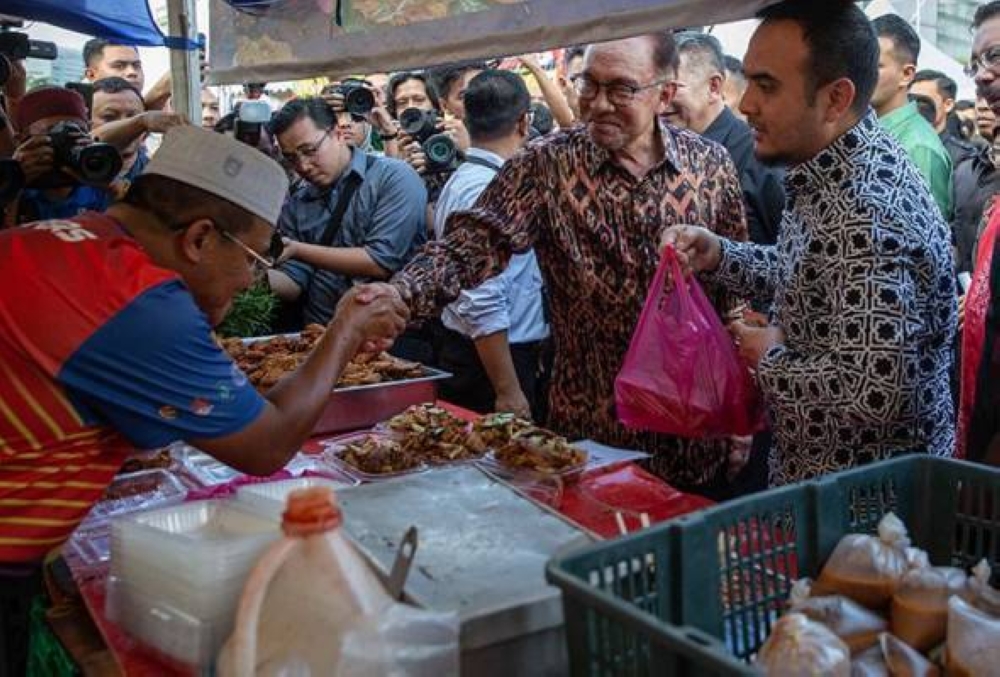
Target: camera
column 251, row 116
column 17, row 46
column 422, row 126
column 94, row 163
column 358, row 99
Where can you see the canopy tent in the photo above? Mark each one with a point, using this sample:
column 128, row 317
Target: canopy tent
column 126, row 21
column 290, row 39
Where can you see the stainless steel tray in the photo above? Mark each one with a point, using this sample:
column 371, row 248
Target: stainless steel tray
column 357, row 407
column 482, row 549
column 363, row 406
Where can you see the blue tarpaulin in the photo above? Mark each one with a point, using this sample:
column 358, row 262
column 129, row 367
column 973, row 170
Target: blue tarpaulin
column 125, row 21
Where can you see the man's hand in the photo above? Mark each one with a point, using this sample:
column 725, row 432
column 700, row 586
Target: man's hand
column 752, row 342
column 289, row 250
column 455, row 128
column 158, row 122
column 36, row 157
column 376, row 316
column 698, row 249
column 17, row 81
column 513, row 401
column 413, row 154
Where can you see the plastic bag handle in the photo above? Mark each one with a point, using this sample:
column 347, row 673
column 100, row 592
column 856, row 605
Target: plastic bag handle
column 669, row 262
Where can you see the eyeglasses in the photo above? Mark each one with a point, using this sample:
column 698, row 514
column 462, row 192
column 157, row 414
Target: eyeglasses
column 274, row 249
column 988, row 60
column 305, row 152
column 618, row 93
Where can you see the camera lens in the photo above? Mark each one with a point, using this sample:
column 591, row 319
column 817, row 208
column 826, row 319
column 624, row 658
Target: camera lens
column 359, row 101
column 411, row 121
column 440, row 150
column 98, row 162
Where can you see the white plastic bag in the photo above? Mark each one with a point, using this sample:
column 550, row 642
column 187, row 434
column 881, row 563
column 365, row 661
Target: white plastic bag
column 857, row 626
column 973, row 640
column 312, row 607
column 868, row 568
column 979, row 593
column 920, row 605
column 799, row 647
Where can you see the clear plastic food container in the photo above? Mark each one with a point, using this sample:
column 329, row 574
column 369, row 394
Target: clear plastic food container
column 334, row 453
column 269, row 498
column 203, row 469
column 138, row 491
column 165, row 628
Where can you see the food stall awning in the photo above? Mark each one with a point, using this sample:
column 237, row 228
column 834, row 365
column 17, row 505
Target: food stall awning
column 125, row 21
column 291, row 39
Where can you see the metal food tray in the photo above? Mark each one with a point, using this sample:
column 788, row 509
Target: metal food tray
column 482, row 553
column 362, row 406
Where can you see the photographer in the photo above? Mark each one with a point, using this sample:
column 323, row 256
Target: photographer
column 46, row 179
column 355, row 217
column 496, row 332
column 363, row 122
column 413, row 102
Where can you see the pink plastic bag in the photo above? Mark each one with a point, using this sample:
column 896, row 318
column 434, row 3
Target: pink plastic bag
column 682, row 375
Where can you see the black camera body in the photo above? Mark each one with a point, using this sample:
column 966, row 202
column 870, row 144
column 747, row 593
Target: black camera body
column 422, row 126
column 96, row 164
column 17, row 46
column 358, row 99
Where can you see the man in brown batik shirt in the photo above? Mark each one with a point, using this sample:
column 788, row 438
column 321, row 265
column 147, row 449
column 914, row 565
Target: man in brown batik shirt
column 593, row 201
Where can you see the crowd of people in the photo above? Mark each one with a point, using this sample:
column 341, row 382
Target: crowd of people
column 828, row 194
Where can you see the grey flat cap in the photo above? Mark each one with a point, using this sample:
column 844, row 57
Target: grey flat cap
column 222, row 166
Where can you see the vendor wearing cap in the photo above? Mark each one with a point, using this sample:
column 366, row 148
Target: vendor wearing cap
column 106, row 345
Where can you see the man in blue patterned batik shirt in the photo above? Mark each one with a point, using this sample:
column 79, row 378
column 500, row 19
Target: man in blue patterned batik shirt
column 856, row 359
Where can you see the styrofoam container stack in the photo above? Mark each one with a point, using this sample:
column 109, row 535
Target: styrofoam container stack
column 269, row 499
column 177, row 574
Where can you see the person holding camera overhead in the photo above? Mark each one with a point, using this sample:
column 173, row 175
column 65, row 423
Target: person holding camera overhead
column 355, row 217
column 56, row 171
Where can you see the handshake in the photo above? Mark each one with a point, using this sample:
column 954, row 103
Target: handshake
column 372, row 315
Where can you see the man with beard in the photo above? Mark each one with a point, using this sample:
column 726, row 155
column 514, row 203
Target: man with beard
column 593, row 201
column 855, row 362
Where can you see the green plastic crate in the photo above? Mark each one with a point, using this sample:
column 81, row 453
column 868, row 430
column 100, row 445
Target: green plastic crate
column 698, row 595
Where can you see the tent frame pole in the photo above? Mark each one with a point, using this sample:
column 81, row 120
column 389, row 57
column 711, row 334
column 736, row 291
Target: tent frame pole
column 184, row 66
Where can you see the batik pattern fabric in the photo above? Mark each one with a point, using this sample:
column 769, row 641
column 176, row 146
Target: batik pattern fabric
column 864, row 289
column 595, row 229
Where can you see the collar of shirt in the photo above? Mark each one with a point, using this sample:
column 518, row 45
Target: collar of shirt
column 828, row 166
column 357, row 165
column 722, row 126
column 901, row 117
column 487, row 155
column 596, row 158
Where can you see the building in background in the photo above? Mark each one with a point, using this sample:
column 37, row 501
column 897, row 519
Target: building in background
column 953, row 19
column 68, row 67
column 942, row 22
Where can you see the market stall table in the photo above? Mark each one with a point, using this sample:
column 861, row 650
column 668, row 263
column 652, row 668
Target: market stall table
column 600, row 500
